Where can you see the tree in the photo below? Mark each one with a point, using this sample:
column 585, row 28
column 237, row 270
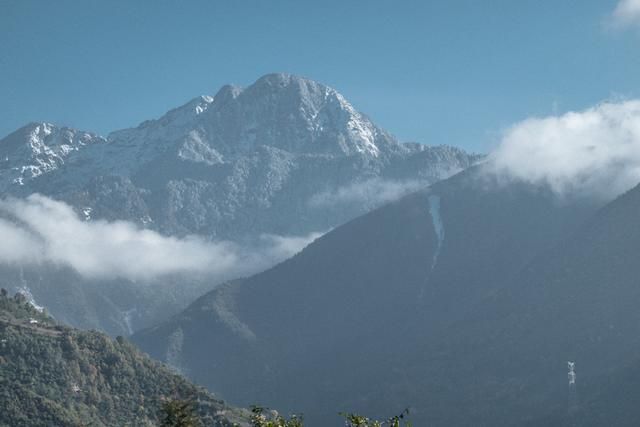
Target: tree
column 260, row 418
column 354, row 420
column 179, row 413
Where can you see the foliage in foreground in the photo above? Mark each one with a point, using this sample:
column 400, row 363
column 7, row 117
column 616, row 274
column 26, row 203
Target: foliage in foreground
column 179, row 413
column 262, row 418
column 354, row 420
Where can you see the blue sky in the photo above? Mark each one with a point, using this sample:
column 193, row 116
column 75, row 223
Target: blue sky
column 454, row 71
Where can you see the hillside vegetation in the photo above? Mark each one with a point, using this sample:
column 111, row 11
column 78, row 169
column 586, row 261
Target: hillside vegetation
column 55, row 375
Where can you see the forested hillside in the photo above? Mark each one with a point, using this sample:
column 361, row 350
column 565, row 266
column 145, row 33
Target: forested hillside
column 53, row 375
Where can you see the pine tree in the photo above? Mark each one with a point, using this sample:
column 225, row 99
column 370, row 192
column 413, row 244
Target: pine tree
column 179, row 413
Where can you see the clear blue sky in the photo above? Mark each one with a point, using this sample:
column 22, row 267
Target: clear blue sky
column 439, row 71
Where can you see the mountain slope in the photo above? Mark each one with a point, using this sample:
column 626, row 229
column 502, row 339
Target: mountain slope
column 601, row 401
column 284, row 157
column 54, row 375
column 344, row 319
column 577, row 302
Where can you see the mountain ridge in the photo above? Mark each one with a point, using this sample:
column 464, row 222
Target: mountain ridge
column 355, row 309
column 285, row 157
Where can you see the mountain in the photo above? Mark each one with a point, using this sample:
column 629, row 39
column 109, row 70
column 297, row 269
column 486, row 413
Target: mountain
column 115, row 306
column 283, row 158
column 577, row 302
column 214, row 164
column 38, row 149
column 359, row 317
column 51, row 374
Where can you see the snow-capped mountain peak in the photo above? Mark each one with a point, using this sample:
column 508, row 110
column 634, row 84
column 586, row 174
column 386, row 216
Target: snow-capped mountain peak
column 227, row 93
column 279, row 113
column 39, row 148
column 174, row 121
column 284, row 157
column 291, row 113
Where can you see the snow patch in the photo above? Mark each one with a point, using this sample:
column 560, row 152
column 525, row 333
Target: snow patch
column 438, row 227
column 87, row 213
column 127, row 317
column 43, row 149
column 436, row 219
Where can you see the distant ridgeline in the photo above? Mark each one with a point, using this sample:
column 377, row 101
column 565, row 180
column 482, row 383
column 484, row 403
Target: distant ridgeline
column 53, row 375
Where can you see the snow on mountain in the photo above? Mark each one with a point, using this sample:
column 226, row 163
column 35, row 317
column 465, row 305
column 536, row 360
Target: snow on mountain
column 37, row 149
column 293, row 114
column 281, row 111
column 438, row 226
column 241, row 164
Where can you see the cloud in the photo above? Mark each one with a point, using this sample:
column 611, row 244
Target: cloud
column 282, row 247
column 626, row 14
column 591, row 152
column 267, row 251
column 41, row 230
column 18, row 244
column 370, row 193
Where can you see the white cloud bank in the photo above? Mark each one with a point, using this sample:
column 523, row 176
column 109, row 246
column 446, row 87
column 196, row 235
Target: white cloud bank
column 41, row 230
column 591, row 152
column 626, row 14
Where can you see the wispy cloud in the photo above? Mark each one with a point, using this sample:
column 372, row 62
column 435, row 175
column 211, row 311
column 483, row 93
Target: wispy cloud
column 41, row 230
column 276, row 248
column 625, row 15
column 591, row 152
column 17, row 244
column 370, row 193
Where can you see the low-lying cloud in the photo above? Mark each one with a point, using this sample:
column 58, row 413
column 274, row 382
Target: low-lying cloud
column 626, row 14
column 592, row 152
column 41, row 230
column 278, row 248
column 369, row 194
